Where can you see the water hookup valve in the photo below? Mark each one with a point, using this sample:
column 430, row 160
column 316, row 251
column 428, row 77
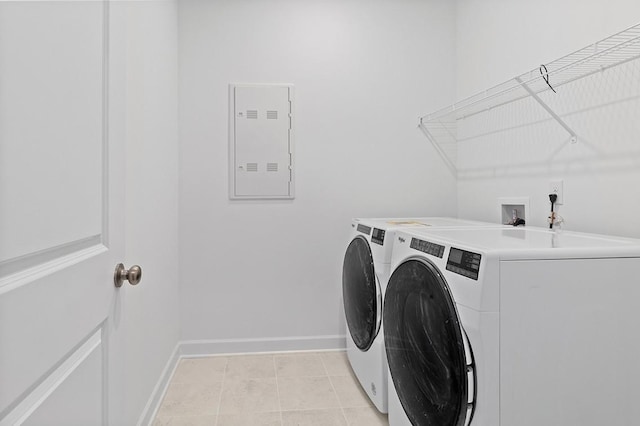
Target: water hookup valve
column 515, row 220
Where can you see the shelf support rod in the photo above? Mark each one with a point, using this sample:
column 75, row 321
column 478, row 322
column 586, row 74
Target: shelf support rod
column 574, row 136
column 445, row 157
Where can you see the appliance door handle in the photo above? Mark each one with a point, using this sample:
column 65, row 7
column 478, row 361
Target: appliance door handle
column 378, row 305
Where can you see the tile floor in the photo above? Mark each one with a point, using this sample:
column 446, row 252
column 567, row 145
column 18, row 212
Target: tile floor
column 287, row 389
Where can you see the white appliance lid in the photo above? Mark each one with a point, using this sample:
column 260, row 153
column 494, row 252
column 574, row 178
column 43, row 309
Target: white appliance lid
column 418, row 222
column 515, row 240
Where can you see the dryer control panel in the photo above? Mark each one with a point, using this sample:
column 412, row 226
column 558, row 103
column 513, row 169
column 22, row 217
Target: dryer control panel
column 378, row 236
column 464, row 262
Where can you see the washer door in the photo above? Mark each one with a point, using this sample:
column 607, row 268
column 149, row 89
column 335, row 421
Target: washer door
column 361, row 294
column 432, row 371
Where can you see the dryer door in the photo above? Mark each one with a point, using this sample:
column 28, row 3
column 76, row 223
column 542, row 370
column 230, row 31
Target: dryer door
column 432, row 371
column 361, row 294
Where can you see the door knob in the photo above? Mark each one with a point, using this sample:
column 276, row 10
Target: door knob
column 133, row 275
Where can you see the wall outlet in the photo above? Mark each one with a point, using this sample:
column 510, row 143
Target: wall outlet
column 555, row 187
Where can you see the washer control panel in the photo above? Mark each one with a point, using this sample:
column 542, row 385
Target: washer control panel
column 427, row 247
column 364, row 229
column 464, row 263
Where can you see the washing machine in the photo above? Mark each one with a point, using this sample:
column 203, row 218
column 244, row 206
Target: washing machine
column 513, row 327
column 364, row 279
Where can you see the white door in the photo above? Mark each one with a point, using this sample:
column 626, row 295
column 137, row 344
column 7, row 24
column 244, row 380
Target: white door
column 61, row 212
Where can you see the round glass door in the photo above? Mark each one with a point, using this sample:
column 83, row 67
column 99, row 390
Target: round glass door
column 425, row 347
column 359, row 291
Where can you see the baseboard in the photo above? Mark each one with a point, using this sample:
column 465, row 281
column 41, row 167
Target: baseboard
column 150, row 410
column 190, row 348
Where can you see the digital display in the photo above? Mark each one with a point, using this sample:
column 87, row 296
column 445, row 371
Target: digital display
column 464, row 263
column 455, row 256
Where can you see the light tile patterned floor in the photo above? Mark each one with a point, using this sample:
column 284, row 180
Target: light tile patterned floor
column 304, row 388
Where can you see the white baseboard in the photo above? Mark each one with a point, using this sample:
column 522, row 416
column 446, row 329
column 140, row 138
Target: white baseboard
column 194, row 348
column 190, row 348
column 150, row 410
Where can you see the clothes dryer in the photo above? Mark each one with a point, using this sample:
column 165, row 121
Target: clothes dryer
column 514, row 326
column 364, row 279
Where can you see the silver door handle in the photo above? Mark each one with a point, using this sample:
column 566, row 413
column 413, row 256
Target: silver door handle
column 133, row 275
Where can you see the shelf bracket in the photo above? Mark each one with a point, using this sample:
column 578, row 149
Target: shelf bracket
column 574, row 136
column 450, row 164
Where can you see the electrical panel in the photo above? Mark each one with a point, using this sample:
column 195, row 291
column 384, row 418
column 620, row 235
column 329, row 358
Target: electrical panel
column 261, row 141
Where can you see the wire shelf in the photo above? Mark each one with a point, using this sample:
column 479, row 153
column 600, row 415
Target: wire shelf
column 440, row 126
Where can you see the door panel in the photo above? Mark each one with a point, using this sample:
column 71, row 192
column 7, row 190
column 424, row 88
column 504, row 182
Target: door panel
column 43, row 321
column 61, row 198
column 81, row 370
column 51, row 125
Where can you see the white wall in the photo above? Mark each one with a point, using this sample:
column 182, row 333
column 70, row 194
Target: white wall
column 151, row 309
column 499, row 39
column 363, row 72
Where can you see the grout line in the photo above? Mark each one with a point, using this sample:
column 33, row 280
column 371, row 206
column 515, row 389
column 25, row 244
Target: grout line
column 344, row 415
column 224, row 374
column 275, row 368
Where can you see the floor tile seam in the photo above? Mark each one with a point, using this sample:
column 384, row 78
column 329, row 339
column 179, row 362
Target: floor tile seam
column 248, row 411
column 344, row 415
column 244, row 379
column 327, row 368
column 224, row 375
column 297, row 360
column 302, row 377
column 329, row 375
column 297, row 410
column 358, row 387
column 306, row 359
column 324, row 404
column 278, row 391
column 324, row 365
column 316, row 377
